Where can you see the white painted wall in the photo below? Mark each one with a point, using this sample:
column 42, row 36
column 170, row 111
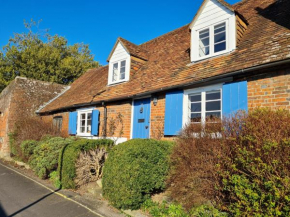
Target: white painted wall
column 211, row 14
column 119, row 54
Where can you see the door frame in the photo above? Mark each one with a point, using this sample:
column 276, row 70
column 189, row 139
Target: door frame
column 132, row 115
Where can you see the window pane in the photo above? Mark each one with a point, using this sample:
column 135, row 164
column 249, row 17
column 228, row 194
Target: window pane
column 196, row 107
column 212, row 116
column 89, row 116
column 122, row 76
column 195, row 98
column 204, row 42
column 203, row 51
column 83, row 123
column 220, row 47
column 220, row 28
column 204, row 33
column 213, row 95
column 83, row 116
column 123, row 63
column 213, row 106
column 82, row 129
column 195, row 117
column 89, row 126
column 220, row 37
column 115, row 71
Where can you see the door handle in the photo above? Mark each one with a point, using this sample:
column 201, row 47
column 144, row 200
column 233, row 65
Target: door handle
column 146, row 127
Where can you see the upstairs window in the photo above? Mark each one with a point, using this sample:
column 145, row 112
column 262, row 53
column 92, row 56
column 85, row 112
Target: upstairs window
column 118, row 71
column 212, row 41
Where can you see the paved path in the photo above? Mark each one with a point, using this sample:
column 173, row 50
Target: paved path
column 22, row 197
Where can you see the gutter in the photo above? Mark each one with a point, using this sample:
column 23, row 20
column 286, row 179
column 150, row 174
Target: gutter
column 222, row 76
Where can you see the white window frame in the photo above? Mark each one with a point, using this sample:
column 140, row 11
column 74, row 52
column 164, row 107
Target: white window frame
column 202, row 90
column 127, row 71
column 211, row 41
column 82, row 111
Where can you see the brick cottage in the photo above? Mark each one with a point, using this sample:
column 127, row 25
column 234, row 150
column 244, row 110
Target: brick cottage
column 21, row 98
column 229, row 57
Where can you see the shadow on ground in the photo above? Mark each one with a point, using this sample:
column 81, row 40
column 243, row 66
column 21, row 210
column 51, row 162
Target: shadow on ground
column 2, row 212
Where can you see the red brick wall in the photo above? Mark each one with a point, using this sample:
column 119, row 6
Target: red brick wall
column 269, row 90
column 21, row 99
column 157, row 117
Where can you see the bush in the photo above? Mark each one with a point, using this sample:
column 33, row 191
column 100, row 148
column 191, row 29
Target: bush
column 134, row 170
column 30, row 128
column 70, row 154
column 193, row 175
column 44, row 159
column 176, row 210
column 254, row 169
column 27, row 148
column 245, row 172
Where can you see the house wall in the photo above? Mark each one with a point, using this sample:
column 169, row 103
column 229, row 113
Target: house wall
column 157, row 117
column 20, row 100
column 5, row 98
column 271, row 89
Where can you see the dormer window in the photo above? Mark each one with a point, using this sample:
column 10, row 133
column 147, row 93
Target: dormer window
column 212, row 40
column 213, row 30
column 119, row 70
column 119, row 65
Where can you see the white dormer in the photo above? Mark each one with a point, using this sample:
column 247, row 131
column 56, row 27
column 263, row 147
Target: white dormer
column 213, row 30
column 119, row 64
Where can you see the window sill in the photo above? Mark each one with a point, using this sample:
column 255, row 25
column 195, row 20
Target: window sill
column 118, row 82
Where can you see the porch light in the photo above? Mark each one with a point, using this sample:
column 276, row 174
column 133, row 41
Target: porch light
column 155, row 100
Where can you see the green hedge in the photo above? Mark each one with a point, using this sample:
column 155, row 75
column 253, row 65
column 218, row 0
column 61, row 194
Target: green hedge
column 69, row 155
column 134, row 170
column 44, row 159
column 27, row 148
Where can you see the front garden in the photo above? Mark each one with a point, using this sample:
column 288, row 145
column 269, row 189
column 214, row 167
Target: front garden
column 240, row 167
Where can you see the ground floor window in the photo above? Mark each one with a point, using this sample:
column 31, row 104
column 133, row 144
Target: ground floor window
column 85, row 122
column 203, row 104
column 57, row 122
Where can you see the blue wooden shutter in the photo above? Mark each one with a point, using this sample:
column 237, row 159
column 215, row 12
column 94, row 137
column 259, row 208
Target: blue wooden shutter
column 72, row 123
column 235, row 97
column 95, row 122
column 173, row 112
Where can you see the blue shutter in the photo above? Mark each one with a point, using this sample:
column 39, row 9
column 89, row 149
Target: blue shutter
column 235, row 97
column 173, row 112
column 95, row 122
column 72, row 123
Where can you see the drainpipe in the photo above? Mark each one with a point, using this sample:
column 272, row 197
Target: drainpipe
column 105, row 120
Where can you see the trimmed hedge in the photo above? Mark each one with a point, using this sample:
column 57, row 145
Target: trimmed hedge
column 134, row 170
column 44, row 159
column 69, row 155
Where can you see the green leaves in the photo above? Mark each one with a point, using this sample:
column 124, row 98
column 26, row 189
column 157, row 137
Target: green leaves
column 43, row 57
column 134, row 170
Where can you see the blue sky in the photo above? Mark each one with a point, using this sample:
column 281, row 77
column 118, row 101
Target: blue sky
column 98, row 23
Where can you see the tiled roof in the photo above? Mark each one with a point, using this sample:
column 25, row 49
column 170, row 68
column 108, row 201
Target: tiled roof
column 132, row 49
column 266, row 40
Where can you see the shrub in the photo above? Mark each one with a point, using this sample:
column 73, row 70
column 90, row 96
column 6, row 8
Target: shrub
column 30, row 128
column 27, row 148
column 176, row 210
column 54, row 178
column 69, row 155
column 245, row 172
column 193, row 175
column 164, row 209
column 45, row 156
column 254, row 170
column 134, row 170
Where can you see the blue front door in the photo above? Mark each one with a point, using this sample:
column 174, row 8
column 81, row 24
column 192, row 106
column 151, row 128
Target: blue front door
column 141, row 118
